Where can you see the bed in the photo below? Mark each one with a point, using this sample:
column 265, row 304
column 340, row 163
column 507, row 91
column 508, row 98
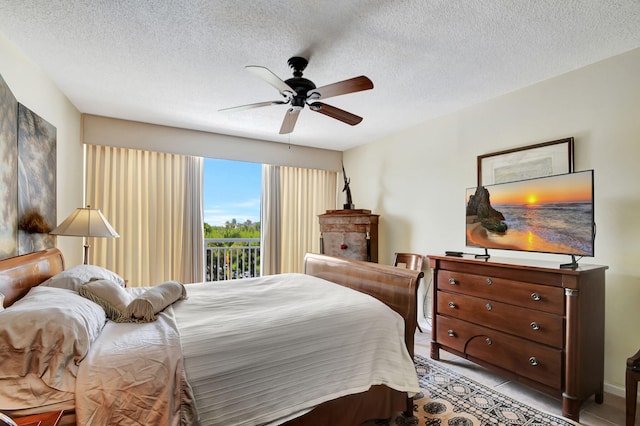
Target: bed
column 381, row 387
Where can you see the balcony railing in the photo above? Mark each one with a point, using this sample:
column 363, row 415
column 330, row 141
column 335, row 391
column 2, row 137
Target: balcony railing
column 231, row 258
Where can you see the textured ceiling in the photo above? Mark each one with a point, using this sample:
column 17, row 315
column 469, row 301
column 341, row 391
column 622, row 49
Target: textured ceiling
column 177, row 62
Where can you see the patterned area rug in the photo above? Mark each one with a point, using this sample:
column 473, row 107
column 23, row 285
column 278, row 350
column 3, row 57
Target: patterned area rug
column 450, row 399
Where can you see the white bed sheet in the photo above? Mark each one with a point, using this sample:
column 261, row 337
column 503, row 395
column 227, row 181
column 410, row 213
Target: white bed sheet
column 30, row 394
column 134, row 375
column 264, row 350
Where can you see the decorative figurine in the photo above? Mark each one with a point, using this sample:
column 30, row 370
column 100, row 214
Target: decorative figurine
column 349, row 204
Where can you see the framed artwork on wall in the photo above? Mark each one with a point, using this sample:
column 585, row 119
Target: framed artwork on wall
column 8, row 172
column 36, row 182
column 543, row 159
column 27, row 178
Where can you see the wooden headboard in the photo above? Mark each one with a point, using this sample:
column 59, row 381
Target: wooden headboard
column 395, row 287
column 18, row 274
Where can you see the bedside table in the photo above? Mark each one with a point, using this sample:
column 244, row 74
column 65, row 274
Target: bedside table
column 44, row 419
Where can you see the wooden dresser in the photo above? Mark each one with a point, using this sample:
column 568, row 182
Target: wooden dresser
column 529, row 321
column 349, row 233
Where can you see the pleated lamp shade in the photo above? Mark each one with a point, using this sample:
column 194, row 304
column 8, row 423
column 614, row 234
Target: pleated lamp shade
column 86, row 222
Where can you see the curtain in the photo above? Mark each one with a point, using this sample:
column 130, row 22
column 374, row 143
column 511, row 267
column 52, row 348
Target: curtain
column 270, row 220
column 154, row 201
column 292, row 199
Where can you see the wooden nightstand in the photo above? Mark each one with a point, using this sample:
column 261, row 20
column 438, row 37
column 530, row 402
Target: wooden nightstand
column 44, row 419
column 349, row 233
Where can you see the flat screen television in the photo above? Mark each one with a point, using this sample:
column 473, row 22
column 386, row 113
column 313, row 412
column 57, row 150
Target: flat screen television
column 552, row 214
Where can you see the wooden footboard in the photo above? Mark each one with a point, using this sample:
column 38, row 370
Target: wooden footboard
column 398, row 289
column 395, row 287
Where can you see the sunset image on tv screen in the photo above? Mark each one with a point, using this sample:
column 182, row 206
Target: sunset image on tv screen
column 552, row 214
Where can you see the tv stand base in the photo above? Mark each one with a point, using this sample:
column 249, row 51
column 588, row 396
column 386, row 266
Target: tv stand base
column 486, row 255
column 572, row 265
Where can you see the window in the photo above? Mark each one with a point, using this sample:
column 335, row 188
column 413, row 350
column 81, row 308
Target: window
column 231, row 201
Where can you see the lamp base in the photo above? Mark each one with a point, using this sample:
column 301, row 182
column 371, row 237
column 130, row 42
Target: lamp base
column 86, row 254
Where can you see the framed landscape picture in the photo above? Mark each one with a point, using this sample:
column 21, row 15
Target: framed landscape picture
column 543, row 159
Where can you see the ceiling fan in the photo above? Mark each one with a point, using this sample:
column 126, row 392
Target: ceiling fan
column 299, row 91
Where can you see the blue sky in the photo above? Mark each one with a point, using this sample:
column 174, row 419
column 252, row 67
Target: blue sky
column 231, row 191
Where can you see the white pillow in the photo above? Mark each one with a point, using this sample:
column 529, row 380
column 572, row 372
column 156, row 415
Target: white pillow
column 1, row 302
column 74, row 277
column 47, row 333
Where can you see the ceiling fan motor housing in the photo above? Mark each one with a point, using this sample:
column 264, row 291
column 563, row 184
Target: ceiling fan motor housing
column 298, row 83
column 301, row 85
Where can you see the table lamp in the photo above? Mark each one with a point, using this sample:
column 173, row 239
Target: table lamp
column 86, row 222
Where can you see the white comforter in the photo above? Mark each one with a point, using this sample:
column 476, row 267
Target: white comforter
column 268, row 349
column 256, row 351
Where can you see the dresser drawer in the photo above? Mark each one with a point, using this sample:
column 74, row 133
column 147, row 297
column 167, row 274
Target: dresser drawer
column 535, row 296
column 540, row 327
column 354, row 243
column 533, row 361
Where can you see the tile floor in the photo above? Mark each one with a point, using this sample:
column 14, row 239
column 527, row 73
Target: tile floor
column 610, row 412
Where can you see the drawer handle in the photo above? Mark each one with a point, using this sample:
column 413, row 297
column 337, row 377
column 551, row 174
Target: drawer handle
column 452, row 305
column 535, row 326
column 533, row 361
column 488, row 341
column 489, row 281
column 451, row 333
column 489, row 307
column 452, row 281
column 535, row 296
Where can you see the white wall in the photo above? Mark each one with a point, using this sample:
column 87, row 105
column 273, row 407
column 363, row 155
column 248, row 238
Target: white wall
column 98, row 130
column 416, row 179
column 36, row 91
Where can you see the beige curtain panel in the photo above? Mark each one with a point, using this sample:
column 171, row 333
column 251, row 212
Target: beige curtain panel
column 292, row 199
column 154, row 201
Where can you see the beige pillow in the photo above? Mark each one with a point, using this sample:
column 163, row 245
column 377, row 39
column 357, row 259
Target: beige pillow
column 47, row 333
column 145, row 307
column 110, row 295
column 74, row 277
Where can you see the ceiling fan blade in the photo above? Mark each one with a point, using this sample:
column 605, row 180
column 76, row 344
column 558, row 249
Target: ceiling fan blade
column 289, row 122
column 356, row 84
column 250, row 106
column 272, row 79
column 337, row 113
